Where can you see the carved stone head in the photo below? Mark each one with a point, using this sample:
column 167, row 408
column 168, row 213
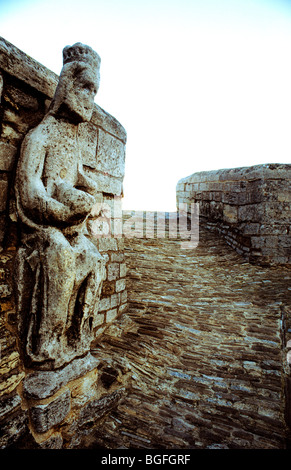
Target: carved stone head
column 78, row 84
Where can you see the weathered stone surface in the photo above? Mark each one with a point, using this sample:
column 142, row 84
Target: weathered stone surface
column 59, row 271
column 107, row 183
column 23, row 67
column 108, row 123
column 13, row 429
column 88, row 133
column 7, row 404
column 7, row 156
column 44, row 417
column 98, row 408
column 268, row 171
column 54, row 442
column 233, row 202
column 11, row 373
column 13, row 420
column 20, row 99
column 3, row 194
column 26, row 95
column 18, row 64
column 113, row 271
column 85, row 388
column 1, row 85
column 43, row 384
column 110, row 155
column 202, row 338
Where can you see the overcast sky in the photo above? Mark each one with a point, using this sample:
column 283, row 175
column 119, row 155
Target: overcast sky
column 197, row 84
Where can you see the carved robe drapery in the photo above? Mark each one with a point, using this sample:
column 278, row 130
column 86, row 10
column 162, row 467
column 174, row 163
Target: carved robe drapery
column 58, row 270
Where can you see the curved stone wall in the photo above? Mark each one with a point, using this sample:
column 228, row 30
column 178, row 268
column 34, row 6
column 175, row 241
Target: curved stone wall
column 249, row 206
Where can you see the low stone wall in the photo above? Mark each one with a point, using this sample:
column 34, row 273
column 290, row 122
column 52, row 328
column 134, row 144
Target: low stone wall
column 26, row 90
column 249, row 206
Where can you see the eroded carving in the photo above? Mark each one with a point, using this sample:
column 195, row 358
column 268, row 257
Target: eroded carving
column 58, row 270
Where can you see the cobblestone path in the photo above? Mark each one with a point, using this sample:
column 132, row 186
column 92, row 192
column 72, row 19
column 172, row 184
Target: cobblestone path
column 203, row 340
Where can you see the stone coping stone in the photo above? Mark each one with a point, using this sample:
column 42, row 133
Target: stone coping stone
column 43, row 384
column 264, row 171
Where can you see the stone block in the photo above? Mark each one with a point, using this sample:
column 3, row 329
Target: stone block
column 43, row 384
column 88, row 134
column 230, row 213
column 257, row 242
column 284, row 241
column 251, row 229
column 16, row 121
column 108, row 288
column 288, row 401
column 1, row 86
column 123, row 297
column 13, row 428
column 99, row 320
column 45, row 417
column 115, row 300
column 112, row 271
column 10, row 372
column 251, row 213
column 10, row 135
column 110, row 155
column 96, row 409
column 107, row 244
column 20, row 99
column 7, row 156
column 23, row 67
column 107, row 122
column 123, row 270
column 2, row 227
column 3, row 194
column 8, row 405
column 84, row 389
column 106, row 183
column 122, row 308
column 278, row 212
column 54, row 442
column 118, row 257
column 104, row 304
column 111, row 315
column 120, row 285
column 215, row 210
column 5, row 291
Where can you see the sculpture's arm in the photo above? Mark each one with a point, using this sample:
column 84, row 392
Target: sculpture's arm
column 32, row 195
column 86, row 183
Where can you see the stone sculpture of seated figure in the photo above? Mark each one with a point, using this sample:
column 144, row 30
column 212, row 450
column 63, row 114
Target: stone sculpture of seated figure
column 58, row 270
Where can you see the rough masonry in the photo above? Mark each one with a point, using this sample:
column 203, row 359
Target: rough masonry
column 191, row 344
column 62, row 282
column 249, row 206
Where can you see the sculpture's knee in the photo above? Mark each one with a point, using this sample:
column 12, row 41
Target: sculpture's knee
column 59, row 253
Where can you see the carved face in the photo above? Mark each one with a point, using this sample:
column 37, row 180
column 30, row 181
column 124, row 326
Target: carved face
column 80, row 97
column 75, row 94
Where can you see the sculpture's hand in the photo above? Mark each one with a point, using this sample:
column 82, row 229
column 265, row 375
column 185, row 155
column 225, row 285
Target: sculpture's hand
column 86, row 183
column 79, row 202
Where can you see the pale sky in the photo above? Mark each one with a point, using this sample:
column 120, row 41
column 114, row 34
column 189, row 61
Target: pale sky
column 197, row 84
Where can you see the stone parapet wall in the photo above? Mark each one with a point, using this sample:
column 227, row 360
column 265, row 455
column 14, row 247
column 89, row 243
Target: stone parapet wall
column 26, row 90
column 249, row 206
